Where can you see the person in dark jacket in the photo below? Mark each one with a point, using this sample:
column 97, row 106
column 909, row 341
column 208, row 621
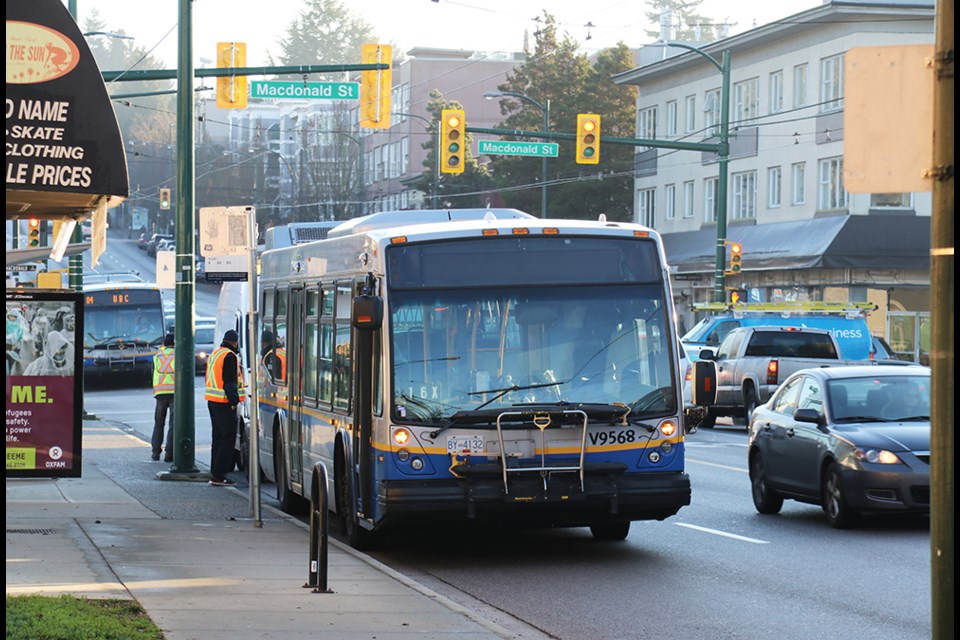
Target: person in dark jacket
column 224, row 392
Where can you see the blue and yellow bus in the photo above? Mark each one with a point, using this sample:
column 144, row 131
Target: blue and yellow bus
column 474, row 365
column 123, row 327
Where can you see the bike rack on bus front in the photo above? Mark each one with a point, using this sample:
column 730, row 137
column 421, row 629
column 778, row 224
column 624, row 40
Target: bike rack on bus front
column 542, row 420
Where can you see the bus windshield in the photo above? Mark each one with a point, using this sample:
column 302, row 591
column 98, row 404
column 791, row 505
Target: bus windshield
column 123, row 316
column 457, row 350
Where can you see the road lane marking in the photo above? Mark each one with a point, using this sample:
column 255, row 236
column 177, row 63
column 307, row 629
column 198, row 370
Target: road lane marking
column 724, row 534
column 718, row 466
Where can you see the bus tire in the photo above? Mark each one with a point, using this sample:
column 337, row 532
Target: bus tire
column 358, row 537
column 289, row 501
column 610, row 531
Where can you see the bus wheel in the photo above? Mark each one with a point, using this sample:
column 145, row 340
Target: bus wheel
column 289, row 502
column 358, row 537
column 610, row 531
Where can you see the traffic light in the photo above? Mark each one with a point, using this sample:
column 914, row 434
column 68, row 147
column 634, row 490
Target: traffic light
column 164, row 199
column 376, row 87
column 588, row 138
column 736, row 257
column 231, row 90
column 33, row 233
column 738, row 296
column 452, row 140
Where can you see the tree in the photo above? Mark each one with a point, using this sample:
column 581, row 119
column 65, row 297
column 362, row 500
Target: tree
column 687, row 24
column 324, row 32
column 458, row 190
column 557, row 71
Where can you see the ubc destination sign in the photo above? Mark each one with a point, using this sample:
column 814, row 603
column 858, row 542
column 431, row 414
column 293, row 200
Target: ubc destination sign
column 514, row 148
column 293, row 90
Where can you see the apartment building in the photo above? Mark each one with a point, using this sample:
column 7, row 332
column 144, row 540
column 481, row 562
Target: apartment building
column 804, row 237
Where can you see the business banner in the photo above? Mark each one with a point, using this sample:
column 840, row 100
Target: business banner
column 44, row 405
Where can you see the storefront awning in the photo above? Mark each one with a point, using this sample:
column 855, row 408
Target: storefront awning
column 835, row 242
column 65, row 154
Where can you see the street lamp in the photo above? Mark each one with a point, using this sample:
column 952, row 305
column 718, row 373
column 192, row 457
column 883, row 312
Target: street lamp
column 436, row 178
column 545, row 108
column 723, row 152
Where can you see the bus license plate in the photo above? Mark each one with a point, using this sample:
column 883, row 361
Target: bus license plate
column 465, row 445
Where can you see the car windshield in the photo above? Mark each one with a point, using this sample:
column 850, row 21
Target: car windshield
column 498, row 347
column 204, row 335
column 879, row 398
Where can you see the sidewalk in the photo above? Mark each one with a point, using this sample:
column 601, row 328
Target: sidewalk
column 192, row 556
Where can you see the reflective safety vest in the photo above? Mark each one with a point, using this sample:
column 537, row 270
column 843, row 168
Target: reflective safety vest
column 214, row 380
column 164, row 363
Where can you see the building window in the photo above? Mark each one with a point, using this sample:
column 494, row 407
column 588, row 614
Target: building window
column 831, row 83
column 404, row 155
column 646, row 205
column 670, row 196
column 647, row 125
column 800, row 86
column 773, row 187
column 672, row 118
column 690, row 114
column 710, row 199
column 688, row 204
column 746, row 101
column 891, row 201
column 711, row 112
column 744, row 202
column 798, row 192
column 776, row 92
column 831, row 194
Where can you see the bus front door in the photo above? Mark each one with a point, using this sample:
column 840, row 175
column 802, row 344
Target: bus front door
column 295, row 382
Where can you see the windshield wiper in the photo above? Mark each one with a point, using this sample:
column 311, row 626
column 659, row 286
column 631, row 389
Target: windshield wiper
column 500, row 393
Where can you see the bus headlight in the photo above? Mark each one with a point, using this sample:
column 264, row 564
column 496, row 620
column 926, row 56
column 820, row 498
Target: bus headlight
column 417, row 464
column 403, row 455
column 654, row 457
column 401, row 436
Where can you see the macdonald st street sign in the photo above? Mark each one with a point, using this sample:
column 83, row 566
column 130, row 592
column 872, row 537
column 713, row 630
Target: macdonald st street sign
column 517, row 148
column 293, row 90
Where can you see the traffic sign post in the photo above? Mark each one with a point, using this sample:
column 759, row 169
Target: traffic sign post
column 515, row 148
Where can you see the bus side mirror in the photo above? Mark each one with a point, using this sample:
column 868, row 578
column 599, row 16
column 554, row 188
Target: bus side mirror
column 704, row 383
column 367, row 312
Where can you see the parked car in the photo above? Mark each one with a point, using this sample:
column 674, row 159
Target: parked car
column 143, row 241
column 154, row 240
column 165, row 245
column 204, row 342
column 852, row 439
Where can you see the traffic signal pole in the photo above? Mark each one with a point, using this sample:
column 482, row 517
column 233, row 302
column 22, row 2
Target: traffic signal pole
column 184, row 447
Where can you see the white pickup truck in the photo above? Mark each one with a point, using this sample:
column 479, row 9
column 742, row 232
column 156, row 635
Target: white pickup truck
column 751, row 362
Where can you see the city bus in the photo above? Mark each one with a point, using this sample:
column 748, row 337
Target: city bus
column 479, row 365
column 123, row 328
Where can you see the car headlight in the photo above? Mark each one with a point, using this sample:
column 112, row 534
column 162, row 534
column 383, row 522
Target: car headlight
column 876, row 456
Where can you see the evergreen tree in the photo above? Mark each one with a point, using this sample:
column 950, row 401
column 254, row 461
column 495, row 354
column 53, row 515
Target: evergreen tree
column 324, row 32
column 454, row 190
column 556, row 71
column 687, row 24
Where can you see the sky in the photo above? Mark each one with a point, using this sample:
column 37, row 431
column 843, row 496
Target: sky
column 475, row 25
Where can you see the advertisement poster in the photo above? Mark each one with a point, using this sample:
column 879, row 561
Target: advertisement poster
column 43, row 373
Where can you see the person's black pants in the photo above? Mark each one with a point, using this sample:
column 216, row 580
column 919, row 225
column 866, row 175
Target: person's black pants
column 224, row 420
column 164, row 406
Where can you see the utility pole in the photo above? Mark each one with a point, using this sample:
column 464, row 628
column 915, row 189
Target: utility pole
column 942, row 392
